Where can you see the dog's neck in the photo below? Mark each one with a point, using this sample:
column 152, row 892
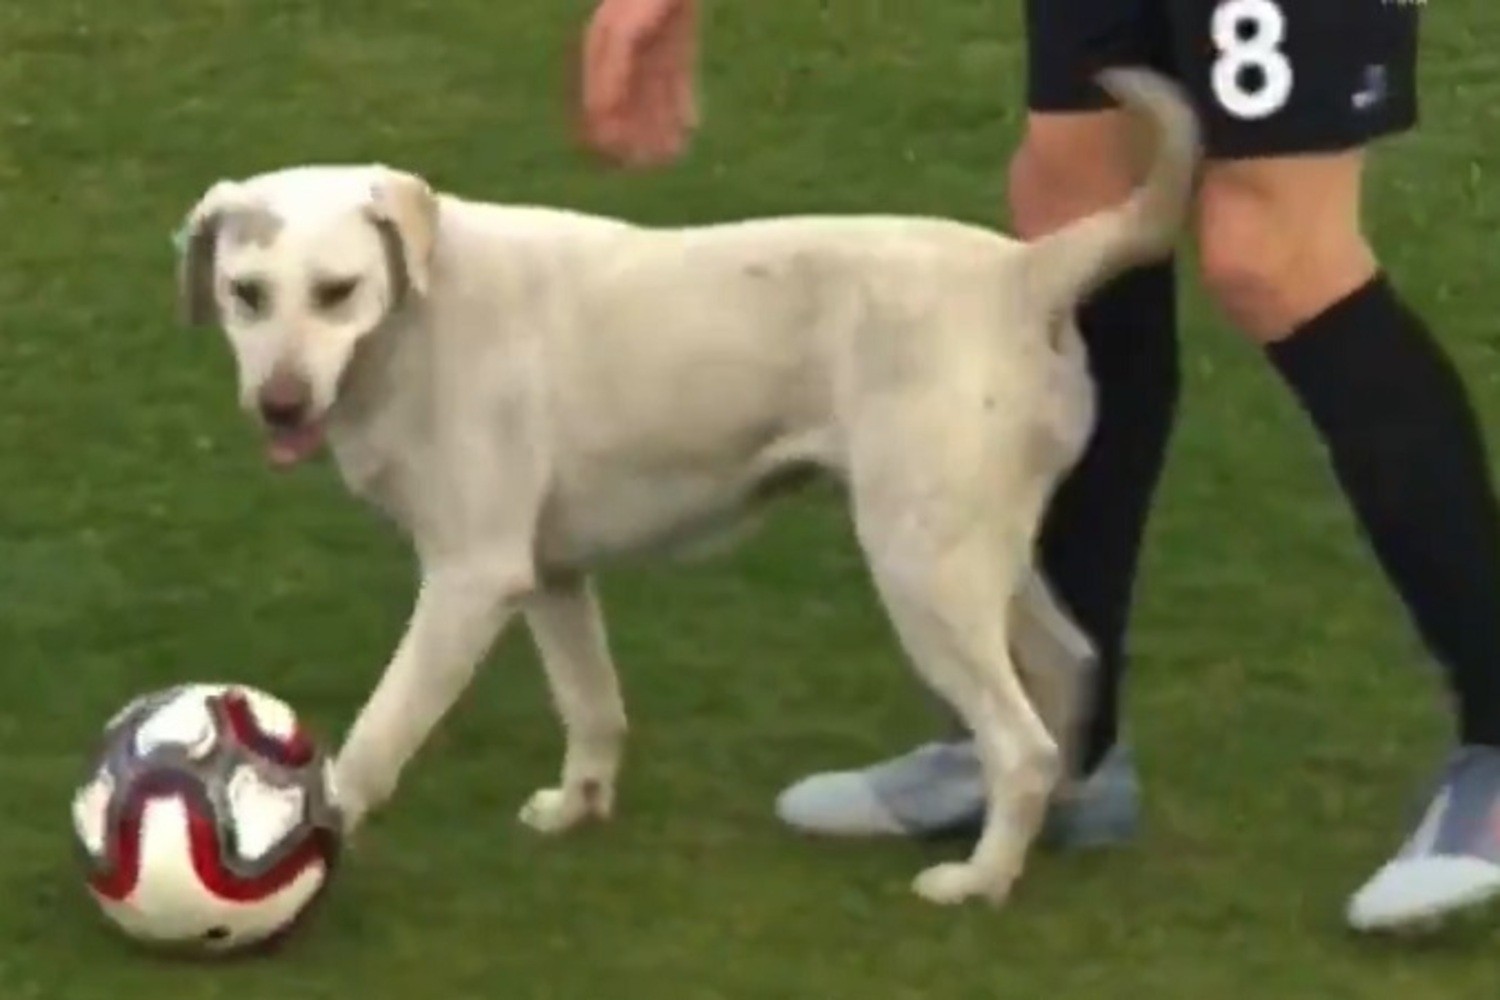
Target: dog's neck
column 385, row 386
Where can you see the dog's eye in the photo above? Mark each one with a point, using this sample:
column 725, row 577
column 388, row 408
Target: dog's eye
column 330, row 294
column 249, row 294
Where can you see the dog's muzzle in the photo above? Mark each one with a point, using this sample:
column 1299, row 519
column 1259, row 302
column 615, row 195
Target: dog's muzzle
column 285, row 404
column 284, row 400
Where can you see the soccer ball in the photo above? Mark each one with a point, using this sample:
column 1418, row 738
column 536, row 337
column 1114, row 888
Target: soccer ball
column 206, row 824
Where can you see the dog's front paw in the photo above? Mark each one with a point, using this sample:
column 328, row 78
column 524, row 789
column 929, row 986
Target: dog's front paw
column 555, row 810
column 958, row 881
column 341, row 811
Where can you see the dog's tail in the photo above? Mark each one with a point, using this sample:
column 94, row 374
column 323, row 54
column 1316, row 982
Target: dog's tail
column 1065, row 266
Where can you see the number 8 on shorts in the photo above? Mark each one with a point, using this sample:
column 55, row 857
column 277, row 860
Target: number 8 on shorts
column 1251, row 75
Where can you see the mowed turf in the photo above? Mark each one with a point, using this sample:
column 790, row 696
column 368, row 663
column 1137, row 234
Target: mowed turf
column 1283, row 715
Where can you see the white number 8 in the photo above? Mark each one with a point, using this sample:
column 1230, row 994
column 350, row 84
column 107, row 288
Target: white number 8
column 1259, row 50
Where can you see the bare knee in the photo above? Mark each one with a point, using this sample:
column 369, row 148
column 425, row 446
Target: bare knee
column 1068, row 166
column 1280, row 240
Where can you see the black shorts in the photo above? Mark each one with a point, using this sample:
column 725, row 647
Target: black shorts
column 1269, row 77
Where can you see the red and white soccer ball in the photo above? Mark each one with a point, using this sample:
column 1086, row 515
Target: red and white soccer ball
column 206, row 823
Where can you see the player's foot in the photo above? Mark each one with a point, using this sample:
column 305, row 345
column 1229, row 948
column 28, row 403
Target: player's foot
column 936, row 790
column 1451, row 864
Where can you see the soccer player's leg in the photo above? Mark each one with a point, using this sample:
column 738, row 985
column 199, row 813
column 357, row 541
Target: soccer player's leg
column 1294, row 91
column 1075, row 158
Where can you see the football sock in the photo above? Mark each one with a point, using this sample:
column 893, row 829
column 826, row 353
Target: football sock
column 1092, row 534
column 1407, row 450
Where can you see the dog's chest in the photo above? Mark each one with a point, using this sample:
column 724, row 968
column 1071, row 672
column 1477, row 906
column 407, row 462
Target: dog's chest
column 380, row 476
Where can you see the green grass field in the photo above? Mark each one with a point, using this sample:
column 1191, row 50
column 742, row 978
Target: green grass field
column 1282, row 711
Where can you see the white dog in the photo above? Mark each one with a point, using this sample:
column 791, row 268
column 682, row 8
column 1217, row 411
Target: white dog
column 530, row 392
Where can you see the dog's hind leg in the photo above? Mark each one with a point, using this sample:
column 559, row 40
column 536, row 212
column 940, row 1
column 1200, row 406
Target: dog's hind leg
column 946, row 570
column 568, row 628
column 1056, row 659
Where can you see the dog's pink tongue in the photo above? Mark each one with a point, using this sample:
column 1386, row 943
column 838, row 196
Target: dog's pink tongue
column 287, row 448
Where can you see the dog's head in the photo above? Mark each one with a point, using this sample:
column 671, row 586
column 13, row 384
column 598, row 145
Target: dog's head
column 298, row 267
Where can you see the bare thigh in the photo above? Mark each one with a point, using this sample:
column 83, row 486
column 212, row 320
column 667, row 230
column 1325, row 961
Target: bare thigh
column 1069, row 165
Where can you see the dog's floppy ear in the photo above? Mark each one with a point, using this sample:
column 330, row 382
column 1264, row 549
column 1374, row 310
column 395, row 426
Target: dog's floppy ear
column 405, row 210
column 195, row 242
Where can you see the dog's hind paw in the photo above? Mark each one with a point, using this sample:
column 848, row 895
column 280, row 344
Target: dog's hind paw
column 956, row 882
column 556, row 810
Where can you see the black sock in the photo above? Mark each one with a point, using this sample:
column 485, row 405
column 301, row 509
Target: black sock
column 1408, row 452
column 1091, row 538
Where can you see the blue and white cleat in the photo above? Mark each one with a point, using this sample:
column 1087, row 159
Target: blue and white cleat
column 937, row 791
column 1450, row 866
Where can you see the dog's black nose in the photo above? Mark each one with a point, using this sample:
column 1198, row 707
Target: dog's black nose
column 282, row 415
column 284, row 400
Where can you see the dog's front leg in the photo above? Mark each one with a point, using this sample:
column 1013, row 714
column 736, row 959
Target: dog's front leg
column 568, row 628
column 459, row 613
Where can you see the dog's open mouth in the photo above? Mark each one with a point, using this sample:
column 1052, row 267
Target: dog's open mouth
column 288, row 446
